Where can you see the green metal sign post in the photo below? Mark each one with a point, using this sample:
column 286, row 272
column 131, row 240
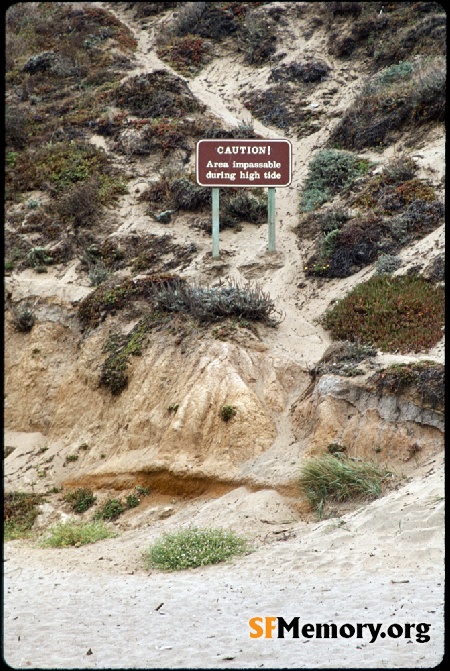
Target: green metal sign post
column 271, row 217
column 215, row 221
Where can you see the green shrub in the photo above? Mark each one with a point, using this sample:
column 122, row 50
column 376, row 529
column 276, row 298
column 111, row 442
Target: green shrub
column 132, row 501
column 98, row 273
column 340, row 478
column 402, row 313
column 193, row 547
column 186, row 54
column 156, row 94
column 215, row 303
column 329, row 172
column 257, row 39
column 271, row 107
column 187, row 19
column 16, row 130
column 37, row 256
column 399, row 169
column 23, row 318
column 346, row 249
column 227, row 412
column 66, row 534
column 393, row 73
column 306, row 72
column 179, row 192
column 396, row 97
column 80, row 204
column 387, row 264
column 20, row 510
column 80, row 499
column 110, row 510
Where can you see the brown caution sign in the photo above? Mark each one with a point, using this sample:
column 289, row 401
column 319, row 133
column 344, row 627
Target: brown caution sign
column 244, row 163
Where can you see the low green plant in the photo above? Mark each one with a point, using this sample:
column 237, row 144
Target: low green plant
column 336, row 477
column 80, row 499
column 393, row 73
column 66, row 534
column 11, row 158
column 71, row 457
column 110, row 510
column 193, row 547
column 142, row 491
column 402, row 313
column 227, row 412
column 120, row 348
column 20, row 510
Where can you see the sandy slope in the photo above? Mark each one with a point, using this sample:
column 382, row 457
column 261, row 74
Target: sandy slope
column 380, row 564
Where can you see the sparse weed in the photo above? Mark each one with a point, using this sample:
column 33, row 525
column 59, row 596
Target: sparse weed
column 401, row 94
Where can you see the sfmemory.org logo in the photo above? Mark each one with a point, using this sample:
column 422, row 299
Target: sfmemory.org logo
column 278, row 627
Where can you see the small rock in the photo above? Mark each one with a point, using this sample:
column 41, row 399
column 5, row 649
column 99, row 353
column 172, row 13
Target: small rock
column 165, row 512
